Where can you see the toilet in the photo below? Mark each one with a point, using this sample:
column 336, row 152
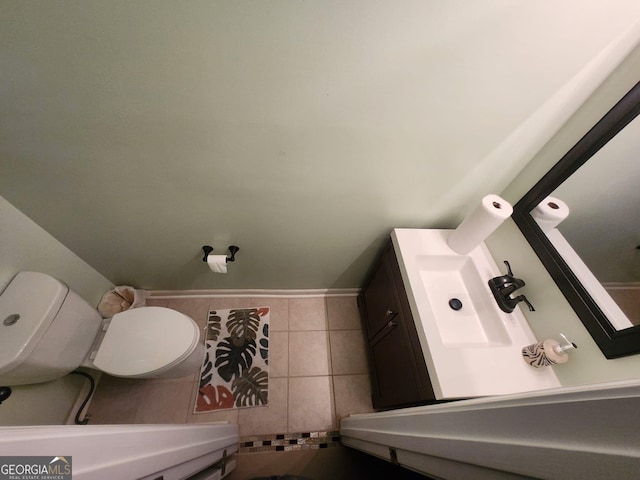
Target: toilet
column 48, row 330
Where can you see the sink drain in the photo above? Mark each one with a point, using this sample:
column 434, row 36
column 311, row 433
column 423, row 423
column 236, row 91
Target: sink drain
column 455, row 304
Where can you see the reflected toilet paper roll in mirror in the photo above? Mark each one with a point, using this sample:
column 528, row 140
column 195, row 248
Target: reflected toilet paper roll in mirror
column 549, row 213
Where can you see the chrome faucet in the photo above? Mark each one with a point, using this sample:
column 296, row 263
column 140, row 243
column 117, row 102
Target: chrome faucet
column 503, row 286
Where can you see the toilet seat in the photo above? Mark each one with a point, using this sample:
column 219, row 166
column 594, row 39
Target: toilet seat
column 147, row 340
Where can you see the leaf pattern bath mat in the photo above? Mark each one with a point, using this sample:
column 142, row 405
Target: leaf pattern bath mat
column 235, row 371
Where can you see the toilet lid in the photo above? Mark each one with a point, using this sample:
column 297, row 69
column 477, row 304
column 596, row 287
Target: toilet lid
column 143, row 340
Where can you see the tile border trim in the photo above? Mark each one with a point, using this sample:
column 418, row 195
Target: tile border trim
column 287, row 442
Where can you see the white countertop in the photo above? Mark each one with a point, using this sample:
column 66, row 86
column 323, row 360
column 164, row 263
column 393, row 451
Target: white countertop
column 467, row 370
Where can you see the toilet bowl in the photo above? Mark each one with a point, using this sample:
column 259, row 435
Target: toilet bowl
column 48, row 330
column 147, row 342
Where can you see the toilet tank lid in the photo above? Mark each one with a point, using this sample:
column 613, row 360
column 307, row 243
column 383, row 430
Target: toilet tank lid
column 28, row 305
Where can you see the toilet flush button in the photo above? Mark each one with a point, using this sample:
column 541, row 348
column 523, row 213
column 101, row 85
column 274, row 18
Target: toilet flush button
column 11, row 319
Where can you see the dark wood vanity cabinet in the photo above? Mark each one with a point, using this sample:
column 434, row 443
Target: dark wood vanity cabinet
column 398, row 370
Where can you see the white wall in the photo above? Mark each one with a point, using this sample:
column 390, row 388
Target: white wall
column 26, row 246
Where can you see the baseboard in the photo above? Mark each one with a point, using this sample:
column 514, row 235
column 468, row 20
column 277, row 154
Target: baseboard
column 621, row 285
column 271, row 293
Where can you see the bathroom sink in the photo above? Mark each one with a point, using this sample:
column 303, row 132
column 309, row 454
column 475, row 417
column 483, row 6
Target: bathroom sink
column 473, row 349
column 461, row 303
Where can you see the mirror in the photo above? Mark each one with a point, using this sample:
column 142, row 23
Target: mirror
column 595, row 181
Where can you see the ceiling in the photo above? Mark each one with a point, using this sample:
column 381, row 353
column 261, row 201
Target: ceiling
column 303, row 132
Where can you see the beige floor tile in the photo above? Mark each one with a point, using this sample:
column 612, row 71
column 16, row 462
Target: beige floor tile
column 278, row 354
column 224, row 303
column 308, row 354
column 352, row 394
column 164, row 402
column 348, row 352
column 300, row 347
column 307, row 314
column 157, row 302
column 629, row 301
column 109, row 381
column 270, row 419
column 272, row 465
column 115, row 405
column 310, row 404
column 196, row 308
column 229, row 416
column 195, row 376
column 343, row 313
column 279, row 317
column 336, row 463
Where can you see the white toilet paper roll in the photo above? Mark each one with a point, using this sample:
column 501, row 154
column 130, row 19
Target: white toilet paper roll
column 488, row 216
column 549, row 213
column 217, row 263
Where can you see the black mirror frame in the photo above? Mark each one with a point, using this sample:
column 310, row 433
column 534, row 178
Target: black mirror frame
column 613, row 343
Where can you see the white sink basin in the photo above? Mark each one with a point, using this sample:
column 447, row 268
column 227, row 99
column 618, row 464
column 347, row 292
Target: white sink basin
column 474, row 351
column 478, row 322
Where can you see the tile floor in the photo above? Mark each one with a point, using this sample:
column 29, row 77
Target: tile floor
column 318, row 371
column 336, row 463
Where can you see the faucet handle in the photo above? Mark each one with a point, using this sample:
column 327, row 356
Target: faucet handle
column 522, row 298
column 509, row 272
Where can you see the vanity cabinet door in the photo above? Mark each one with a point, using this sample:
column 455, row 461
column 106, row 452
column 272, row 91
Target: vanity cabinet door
column 394, row 371
column 380, row 300
column 398, row 370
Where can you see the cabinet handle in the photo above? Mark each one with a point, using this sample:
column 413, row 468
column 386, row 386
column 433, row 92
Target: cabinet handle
column 390, row 313
column 392, row 324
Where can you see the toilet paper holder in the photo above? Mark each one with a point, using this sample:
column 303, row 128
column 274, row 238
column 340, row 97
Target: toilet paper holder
column 207, row 249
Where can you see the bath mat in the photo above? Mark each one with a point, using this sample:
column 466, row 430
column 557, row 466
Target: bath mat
column 235, row 371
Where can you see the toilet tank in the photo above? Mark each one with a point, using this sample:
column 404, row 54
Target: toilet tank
column 46, row 329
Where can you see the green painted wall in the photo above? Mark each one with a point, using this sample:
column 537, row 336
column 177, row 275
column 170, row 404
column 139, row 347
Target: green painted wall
column 136, row 132
column 26, row 246
column 553, row 314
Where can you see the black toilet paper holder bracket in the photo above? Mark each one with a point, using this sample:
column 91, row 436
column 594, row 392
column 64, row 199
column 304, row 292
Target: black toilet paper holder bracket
column 207, row 249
